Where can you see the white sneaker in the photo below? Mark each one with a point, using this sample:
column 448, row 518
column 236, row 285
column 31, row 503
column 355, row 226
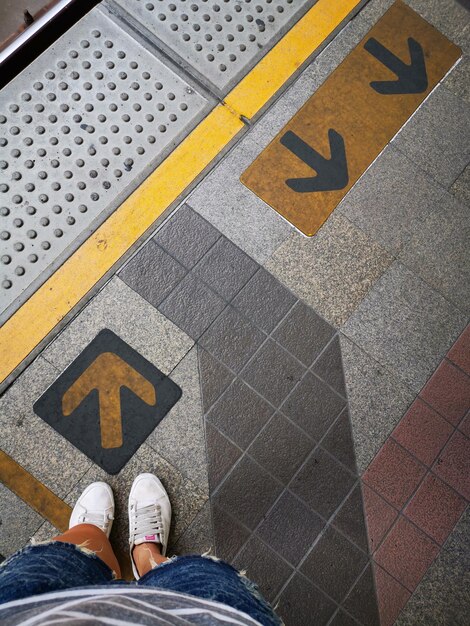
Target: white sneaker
column 95, row 506
column 149, row 514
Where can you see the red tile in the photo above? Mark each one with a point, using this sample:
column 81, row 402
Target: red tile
column 460, row 352
column 391, row 596
column 423, row 432
column 464, row 425
column 453, row 464
column 435, row 508
column 379, row 515
column 394, row 474
column 406, row 553
column 448, row 392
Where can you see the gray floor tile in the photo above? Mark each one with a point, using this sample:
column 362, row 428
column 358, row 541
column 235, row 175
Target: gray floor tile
column 329, row 367
column 374, row 9
column 362, row 601
column 300, row 600
column 232, row 339
column 214, row 378
column 281, row 448
column 405, row 325
column 273, row 372
column 18, row 522
column 290, row 528
column 229, row 534
column 458, row 81
column 186, row 236
column 342, row 619
column 332, row 271
column 236, row 211
column 304, row 333
column 391, row 200
column 132, row 318
column 339, row 441
column 222, row 454
column 436, row 136
column 264, row 567
column 247, row 493
column 225, row 268
column 192, row 306
column 350, row 520
column 240, row 413
column 198, row 537
column 45, row 532
column 448, row 16
column 179, row 438
column 322, row 483
column 348, row 561
column 461, row 188
column 152, row 273
column 442, row 595
column 313, row 406
column 377, row 401
column 44, row 453
column 440, row 252
column 264, row 300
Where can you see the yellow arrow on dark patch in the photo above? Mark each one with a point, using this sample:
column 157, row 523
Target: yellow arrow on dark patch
column 107, row 374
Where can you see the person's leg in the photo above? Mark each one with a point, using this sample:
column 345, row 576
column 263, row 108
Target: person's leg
column 80, row 557
column 91, row 522
column 204, row 577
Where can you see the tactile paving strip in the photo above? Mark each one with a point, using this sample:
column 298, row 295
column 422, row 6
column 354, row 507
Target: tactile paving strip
column 221, row 39
column 79, row 128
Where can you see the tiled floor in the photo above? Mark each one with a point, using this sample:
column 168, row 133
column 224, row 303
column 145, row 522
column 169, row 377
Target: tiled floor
column 322, row 440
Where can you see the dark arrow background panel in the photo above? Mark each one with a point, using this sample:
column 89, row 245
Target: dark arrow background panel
column 82, row 427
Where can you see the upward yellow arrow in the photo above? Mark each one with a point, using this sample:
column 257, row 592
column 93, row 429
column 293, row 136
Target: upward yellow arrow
column 108, row 373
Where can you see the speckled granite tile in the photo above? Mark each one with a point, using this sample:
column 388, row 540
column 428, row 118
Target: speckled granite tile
column 332, row 271
column 18, row 522
column 405, row 325
column 132, row 318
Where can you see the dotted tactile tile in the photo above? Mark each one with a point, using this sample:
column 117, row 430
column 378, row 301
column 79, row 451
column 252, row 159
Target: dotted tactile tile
column 80, row 126
column 220, row 39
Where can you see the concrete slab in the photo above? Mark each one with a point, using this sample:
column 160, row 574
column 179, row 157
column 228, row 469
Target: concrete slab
column 377, row 400
column 179, row 438
column 127, row 314
column 439, row 251
column 405, row 325
column 391, row 201
column 436, row 136
column 333, row 271
column 18, row 522
column 234, row 210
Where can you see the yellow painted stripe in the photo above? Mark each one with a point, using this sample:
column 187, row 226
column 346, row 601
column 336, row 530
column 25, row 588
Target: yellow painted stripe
column 74, row 279
column 268, row 76
column 34, row 493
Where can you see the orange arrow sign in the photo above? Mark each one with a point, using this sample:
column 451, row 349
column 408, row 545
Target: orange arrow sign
column 108, row 373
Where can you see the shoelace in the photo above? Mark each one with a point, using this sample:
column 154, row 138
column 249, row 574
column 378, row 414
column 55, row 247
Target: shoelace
column 147, row 521
column 97, row 519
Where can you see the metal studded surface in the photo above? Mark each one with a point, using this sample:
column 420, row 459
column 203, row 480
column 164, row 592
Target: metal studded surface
column 220, row 39
column 77, row 128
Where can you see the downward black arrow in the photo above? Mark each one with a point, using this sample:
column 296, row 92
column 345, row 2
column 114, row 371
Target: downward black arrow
column 332, row 173
column 412, row 78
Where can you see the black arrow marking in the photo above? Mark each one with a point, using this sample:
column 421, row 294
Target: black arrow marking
column 412, row 78
column 332, row 173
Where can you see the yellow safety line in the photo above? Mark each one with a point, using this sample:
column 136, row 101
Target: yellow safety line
column 274, row 69
column 34, row 493
column 74, row 279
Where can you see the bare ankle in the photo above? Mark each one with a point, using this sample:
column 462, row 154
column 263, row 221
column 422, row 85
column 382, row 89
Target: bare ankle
column 147, row 556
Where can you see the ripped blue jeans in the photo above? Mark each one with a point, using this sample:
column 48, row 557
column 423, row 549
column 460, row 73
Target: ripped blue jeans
column 57, row 566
